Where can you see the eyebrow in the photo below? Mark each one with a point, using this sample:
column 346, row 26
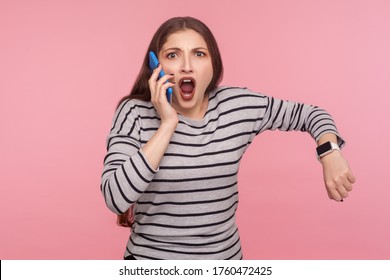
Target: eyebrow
column 178, row 49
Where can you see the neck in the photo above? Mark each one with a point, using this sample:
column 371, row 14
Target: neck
column 195, row 113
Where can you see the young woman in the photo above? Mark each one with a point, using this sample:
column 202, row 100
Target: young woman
column 170, row 172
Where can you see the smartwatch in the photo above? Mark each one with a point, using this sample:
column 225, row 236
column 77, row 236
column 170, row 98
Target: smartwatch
column 326, row 148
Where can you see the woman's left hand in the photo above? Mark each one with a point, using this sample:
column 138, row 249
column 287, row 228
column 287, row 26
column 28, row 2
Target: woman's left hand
column 338, row 176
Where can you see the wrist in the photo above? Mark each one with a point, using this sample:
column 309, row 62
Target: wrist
column 329, row 157
column 169, row 125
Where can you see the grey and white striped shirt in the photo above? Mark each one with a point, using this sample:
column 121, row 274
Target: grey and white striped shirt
column 186, row 209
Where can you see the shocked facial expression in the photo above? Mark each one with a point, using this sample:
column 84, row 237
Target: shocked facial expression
column 185, row 54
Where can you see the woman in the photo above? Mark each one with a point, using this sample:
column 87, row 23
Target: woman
column 170, row 172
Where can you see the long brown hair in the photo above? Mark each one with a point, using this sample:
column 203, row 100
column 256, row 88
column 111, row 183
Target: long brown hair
column 141, row 90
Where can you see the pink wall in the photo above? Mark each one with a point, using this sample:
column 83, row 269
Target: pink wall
column 65, row 64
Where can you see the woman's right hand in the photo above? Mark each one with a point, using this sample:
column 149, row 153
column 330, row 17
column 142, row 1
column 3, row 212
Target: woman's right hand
column 158, row 88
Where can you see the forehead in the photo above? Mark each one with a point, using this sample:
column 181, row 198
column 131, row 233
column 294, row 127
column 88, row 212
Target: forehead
column 186, row 38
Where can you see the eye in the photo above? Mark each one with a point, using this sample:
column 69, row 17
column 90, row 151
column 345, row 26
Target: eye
column 199, row 53
column 171, row 55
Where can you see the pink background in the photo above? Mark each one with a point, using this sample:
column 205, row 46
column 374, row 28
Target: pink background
column 64, row 65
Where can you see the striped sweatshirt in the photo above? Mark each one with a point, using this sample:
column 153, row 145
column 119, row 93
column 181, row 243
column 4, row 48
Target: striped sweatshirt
column 186, row 208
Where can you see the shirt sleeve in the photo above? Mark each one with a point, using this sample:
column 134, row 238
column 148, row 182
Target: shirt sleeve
column 126, row 172
column 294, row 116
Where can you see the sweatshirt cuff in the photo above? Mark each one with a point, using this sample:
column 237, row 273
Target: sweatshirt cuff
column 340, row 140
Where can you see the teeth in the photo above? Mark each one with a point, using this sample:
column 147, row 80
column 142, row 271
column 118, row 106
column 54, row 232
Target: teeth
column 186, row 81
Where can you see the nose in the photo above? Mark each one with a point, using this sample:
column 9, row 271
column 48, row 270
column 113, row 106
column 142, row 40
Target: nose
column 186, row 66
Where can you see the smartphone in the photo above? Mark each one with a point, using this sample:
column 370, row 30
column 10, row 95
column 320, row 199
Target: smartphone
column 153, row 63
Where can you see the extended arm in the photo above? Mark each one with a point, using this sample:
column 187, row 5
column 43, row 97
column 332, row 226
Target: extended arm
column 287, row 115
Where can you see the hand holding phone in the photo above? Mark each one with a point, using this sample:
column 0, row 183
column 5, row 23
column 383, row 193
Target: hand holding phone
column 153, row 64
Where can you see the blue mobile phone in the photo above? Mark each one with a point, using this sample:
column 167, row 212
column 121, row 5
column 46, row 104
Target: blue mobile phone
column 153, row 63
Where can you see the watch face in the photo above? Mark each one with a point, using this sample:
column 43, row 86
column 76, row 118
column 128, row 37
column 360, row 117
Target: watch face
column 324, row 148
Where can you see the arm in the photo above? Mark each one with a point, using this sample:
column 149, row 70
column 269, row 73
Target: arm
column 338, row 176
column 126, row 172
column 128, row 168
column 155, row 148
column 287, row 115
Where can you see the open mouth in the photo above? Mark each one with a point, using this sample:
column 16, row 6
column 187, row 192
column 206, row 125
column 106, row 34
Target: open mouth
column 187, row 88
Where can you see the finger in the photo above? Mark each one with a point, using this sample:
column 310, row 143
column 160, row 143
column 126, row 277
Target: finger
column 347, row 185
column 162, row 94
column 341, row 184
column 342, row 192
column 164, row 79
column 329, row 194
column 154, row 77
column 335, row 195
column 346, row 181
column 153, row 80
column 351, row 177
column 156, row 71
column 164, row 83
